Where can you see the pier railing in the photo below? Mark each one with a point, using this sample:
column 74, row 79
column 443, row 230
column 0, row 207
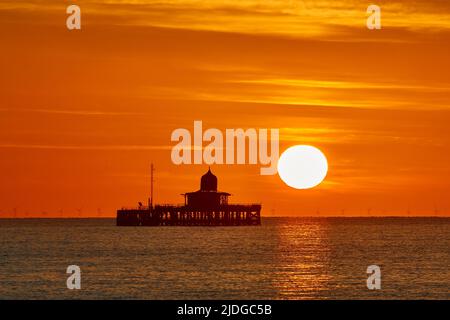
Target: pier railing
column 182, row 215
column 136, row 208
column 182, row 206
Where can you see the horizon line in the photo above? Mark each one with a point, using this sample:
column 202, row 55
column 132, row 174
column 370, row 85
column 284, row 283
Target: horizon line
column 309, row 216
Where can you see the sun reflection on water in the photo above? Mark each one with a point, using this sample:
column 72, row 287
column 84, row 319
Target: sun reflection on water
column 302, row 260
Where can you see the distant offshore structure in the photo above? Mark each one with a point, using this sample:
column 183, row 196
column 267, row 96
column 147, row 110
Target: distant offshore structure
column 205, row 207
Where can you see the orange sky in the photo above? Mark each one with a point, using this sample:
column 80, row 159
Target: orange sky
column 83, row 113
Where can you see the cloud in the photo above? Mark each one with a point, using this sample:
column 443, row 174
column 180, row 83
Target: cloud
column 311, row 92
column 86, row 147
column 307, row 18
column 75, row 112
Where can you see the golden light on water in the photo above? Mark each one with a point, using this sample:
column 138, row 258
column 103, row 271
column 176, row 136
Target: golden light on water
column 304, row 260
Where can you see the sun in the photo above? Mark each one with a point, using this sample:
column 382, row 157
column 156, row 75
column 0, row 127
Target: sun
column 302, row 167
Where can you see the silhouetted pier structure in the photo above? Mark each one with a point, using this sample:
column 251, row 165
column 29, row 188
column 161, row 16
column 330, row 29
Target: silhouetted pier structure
column 205, row 207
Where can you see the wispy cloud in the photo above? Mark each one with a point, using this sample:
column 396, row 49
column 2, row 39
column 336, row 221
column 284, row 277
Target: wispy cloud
column 85, row 147
column 290, row 17
column 312, row 92
column 74, row 112
column 330, row 84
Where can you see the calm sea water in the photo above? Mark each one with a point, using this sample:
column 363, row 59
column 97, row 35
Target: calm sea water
column 285, row 258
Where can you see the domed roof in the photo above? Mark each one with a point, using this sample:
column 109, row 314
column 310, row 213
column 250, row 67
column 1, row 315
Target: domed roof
column 208, row 182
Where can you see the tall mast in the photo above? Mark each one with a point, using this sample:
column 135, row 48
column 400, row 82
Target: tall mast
column 151, row 186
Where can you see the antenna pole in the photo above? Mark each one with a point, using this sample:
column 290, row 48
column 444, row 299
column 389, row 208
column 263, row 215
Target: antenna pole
column 151, row 186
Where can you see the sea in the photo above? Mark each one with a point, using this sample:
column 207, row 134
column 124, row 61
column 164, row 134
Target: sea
column 284, row 258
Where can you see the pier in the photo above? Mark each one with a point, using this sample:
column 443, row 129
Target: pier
column 168, row 215
column 205, row 207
